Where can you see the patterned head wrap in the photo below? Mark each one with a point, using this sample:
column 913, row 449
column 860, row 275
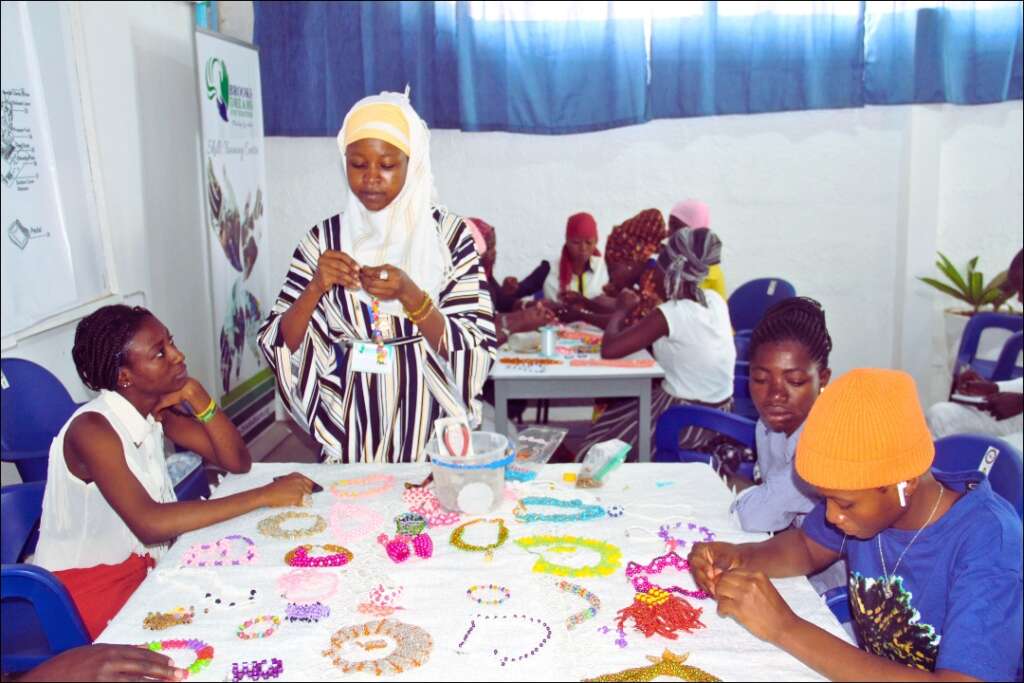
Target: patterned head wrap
column 686, row 258
column 636, row 238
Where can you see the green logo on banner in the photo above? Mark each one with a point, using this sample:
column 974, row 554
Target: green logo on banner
column 217, row 85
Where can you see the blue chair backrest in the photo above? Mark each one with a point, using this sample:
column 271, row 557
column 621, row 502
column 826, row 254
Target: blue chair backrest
column 21, row 506
column 742, row 341
column 978, row 323
column 1006, row 366
column 675, row 419
column 748, row 303
column 38, row 617
column 959, row 452
column 743, row 404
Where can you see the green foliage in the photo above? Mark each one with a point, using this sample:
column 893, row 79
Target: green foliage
column 969, row 286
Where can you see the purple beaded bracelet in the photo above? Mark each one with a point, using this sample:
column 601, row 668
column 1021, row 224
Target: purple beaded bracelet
column 254, row 671
column 310, row 613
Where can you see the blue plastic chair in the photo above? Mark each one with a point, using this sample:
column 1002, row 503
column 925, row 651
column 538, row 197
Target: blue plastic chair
column 743, row 404
column 742, row 341
column 677, row 418
column 35, row 406
column 978, row 323
column 959, row 452
column 748, row 303
column 1006, row 365
column 38, row 617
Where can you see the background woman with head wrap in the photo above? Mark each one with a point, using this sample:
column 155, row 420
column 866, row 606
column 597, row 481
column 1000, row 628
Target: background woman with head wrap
column 508, row 294
column 386, row 304
column 691, row 338
column 696, row 214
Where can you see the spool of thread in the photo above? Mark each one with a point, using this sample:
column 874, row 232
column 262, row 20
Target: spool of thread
column 548, row 339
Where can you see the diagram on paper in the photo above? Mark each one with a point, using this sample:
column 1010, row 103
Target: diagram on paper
column 19, row 169
column 20, row 234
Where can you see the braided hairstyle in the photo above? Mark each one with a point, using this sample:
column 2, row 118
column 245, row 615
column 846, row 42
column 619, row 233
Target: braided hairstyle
column 100, row 340
column 800, row 319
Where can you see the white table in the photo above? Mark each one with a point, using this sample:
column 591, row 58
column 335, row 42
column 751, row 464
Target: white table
column 566, row 381
column 434, row 595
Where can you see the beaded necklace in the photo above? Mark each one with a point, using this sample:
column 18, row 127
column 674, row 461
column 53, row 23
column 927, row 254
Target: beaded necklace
column 658, row 612
column 506, row 659
column 413, row 646
column 669, row 664
column 351, row 522
column 595, row 604
column 271, row 526
column 218, row 554
column 300, row 556
column 422, row 500
column 378, row 334
column 610, row 555
column 386, row 481
column 204, row 652
column 305, row 585
column 637, row 574
column 586, row 512
column 487, row 550
column 674, row 542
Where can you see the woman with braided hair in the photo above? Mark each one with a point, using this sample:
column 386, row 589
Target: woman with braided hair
column 789, row 352
column 109, row 509
column 691, row 337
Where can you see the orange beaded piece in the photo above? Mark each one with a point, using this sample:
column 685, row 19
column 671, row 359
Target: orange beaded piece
column 413, row 646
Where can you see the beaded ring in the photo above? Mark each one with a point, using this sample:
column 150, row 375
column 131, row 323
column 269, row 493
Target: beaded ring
column 586, row 512
column 362, row 521
column 305, row 585
column 310, row 613
column 412, row 647
column 218, row 554
column 300, row 557
column 595, row 604
column 254, row 671
column 488, row 550
column 502, row 590
column 243, row 628
column 271, row 526
column 386, row 482
column 158, row 621
column 610, row 555
column 505, row 659
column 204, row 652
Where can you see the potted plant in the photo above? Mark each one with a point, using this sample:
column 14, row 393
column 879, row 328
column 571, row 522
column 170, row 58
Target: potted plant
column 974, row 294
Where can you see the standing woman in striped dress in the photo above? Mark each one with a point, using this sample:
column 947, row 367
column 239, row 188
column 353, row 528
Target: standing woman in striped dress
column 384, row 322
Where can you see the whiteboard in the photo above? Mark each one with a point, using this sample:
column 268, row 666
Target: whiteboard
column 53, row 253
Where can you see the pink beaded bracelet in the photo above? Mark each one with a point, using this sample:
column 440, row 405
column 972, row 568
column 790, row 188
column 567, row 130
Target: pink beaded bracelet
column 243, row 629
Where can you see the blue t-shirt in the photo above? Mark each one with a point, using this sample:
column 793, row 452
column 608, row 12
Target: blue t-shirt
column 956, row 598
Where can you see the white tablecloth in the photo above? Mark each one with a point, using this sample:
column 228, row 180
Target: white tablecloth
column 434, row 590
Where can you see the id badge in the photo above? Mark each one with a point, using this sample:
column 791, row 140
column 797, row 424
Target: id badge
column 364, row 358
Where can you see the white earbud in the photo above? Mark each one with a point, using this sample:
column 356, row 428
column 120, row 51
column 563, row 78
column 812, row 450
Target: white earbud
column 900, row 488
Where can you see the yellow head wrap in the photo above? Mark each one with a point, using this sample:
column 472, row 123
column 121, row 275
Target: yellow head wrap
column 378, row 121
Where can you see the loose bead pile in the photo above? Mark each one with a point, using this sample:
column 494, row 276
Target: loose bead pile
column 158, row 621
column 218, row 554
column 412, row 647
column 505, row 659
column 456, row 538
column 595, row 604
column 271, row 526
column 501, row 590
column 300, row 556
column 310, row 613
column 586, row 512
column 243, row 628
column 204, row 652
column 341, row 488
column 351, row 522
column 610, row 555
column 254, row 671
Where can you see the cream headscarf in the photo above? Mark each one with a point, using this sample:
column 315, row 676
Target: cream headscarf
column 403, row 233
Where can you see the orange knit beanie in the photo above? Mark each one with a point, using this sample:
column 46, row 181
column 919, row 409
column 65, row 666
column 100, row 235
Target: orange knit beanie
column 865, row 430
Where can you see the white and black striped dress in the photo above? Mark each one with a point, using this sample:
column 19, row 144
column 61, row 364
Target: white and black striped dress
column 362, row 417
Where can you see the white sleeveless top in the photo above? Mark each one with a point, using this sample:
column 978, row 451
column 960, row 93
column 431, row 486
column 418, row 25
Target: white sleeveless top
column 79, row 529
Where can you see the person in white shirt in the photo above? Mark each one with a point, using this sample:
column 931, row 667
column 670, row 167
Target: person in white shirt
column 691, row 337
column 1002, row 412
column 581, row 274
column 109, row 509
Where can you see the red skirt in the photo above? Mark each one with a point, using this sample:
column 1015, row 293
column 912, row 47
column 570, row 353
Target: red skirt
column 100, row 592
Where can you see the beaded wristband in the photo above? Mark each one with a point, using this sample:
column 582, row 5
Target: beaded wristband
column 300, row 557
column 204, row 652
column 217, row 554
column 310, row 613
column 208, row 412
column 158, row 621
column 271, row 526
column 595, row 604
column 502, row 590
column 365, row 521
column 254, row 671
column 386, row 482
column 244, row 634
column 586, row 512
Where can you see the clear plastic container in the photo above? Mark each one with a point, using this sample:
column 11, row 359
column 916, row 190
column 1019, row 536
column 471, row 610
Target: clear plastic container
column 472, row 485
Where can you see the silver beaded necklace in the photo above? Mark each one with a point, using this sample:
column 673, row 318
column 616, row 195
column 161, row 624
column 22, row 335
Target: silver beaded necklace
column 887, row 588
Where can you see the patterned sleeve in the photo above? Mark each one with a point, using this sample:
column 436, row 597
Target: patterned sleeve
column 297, row 371
column 466, row 305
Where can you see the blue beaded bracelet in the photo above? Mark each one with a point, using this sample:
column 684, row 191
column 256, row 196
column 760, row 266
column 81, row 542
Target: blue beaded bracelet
column 586, row 512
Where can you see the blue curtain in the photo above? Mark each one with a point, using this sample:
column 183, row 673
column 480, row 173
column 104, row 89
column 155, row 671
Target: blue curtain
column 741, row 64
column 953, row 52
column 486, row 71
